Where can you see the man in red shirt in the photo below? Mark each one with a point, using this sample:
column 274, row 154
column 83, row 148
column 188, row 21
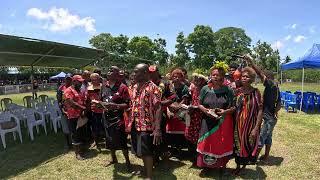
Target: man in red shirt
column 146, row 117
column 75, row 107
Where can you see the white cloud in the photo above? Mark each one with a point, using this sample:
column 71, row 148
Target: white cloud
column 287, row 38
column 312, row 29
column 60, row 19
column 293, row 26
column 37, row 13
column 299, row 38
column 277, row 45
column 13, row 14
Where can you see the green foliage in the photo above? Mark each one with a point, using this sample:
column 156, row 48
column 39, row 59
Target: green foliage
column 109, row 43
column 231, row 41
column 115, row 49
column 194, row 51
column 287, row 59
column 265, row 56
column 182, row 56
column 311, row 75
column 44, row 70
column 161, row 54
column 4, row 70
column 142, row 47
column 221, row 64
column 201, row 42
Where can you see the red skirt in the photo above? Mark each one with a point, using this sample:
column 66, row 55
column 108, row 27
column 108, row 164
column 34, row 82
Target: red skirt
column 175, row 125
column 215, row 146
column 192, row 132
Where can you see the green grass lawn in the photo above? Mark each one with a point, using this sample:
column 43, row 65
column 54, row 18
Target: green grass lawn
column 18, row 98
column 295, row 155
column 313, row 87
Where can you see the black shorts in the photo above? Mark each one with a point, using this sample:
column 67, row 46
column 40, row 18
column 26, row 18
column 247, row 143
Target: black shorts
column 96, row 124
column 116, row 138
column 142, row 143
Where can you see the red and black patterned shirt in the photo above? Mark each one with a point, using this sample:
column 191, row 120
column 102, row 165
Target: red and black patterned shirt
column 144, row 104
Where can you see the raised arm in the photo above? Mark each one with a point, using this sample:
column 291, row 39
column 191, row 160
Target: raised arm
column 250, row 62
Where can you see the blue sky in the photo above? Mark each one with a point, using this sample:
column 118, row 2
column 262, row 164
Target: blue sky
column 291, row 26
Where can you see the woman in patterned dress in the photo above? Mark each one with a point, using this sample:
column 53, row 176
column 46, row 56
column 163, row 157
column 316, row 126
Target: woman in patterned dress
column 248, row 121
column 193, row 129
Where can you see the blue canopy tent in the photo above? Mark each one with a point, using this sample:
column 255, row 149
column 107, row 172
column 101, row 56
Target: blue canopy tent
column 310, row 60
column 61, row 75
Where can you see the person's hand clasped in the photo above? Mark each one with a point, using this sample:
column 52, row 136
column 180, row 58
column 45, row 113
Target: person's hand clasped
column 157, row 137
column 212, row 113
column 220, row 112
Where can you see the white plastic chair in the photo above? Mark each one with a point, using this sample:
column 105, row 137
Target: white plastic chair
column 42, row 108
column 50, row 102
column 7, row 118
column 18, row 111
column 55, row 117
column 33, row 122
column 20, row 114
column 56, row 104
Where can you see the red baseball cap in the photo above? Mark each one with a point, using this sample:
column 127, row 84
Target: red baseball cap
column 77, row 78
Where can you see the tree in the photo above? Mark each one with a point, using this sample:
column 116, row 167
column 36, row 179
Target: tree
column 4, row 70
column 265, row 56
column 161, row 55
column 44, row 70
column 231, row 41
column 115, row 48
column 201, row 43
column 287, row 59
column 109, row 43
column 182, row 56
column 142, row 47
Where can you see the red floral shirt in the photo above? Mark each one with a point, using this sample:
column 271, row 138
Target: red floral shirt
column 71, row 93
column 143, row 106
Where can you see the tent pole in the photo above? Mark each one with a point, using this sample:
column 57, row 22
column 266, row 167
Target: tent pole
column 302, row 84
column 31, row 77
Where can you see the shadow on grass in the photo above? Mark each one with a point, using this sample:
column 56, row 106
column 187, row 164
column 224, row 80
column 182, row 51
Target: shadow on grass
column 19, row 158
column 258, row 173
column 272, row 161
column 165, row 169
column 120, row 168
column 91, row 153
